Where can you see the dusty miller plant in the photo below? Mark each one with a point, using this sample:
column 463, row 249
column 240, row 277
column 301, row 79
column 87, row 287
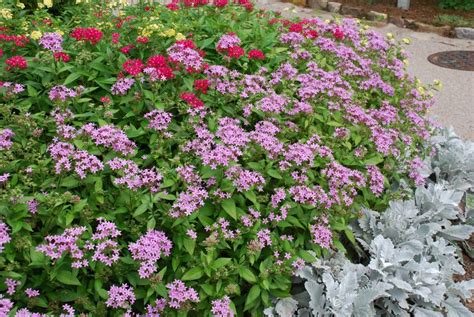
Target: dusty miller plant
column 410, row 249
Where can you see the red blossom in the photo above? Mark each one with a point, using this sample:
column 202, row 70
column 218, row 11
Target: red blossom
column 142, row 39
column 173, row 6
column 127, row 49
column 220, row 3
column 338, row 34
column 16, row 62
column 91, row 35
column 20, row 40
column 115, row 38
column 165, row 72
column 156, row 61
column 186, row 43
column 201, row 85
column 235, row 52
column 296, row 27
column 61, row 57
column 105, row 100
column 133, row 66
column 1, row 52
column 311, row 34
column 192, row 100
column 256, row 54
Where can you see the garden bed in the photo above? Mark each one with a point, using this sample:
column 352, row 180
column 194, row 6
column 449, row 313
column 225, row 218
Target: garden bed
column 192, row 159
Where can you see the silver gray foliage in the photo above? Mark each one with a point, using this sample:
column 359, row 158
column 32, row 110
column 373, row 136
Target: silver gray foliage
column 411, row 249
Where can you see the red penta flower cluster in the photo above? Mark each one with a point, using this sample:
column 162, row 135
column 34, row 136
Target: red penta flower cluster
column 161, row 68
column 133, row 66
column 91, row 35
column 192, row 100
column 19, row 40
column 338, row 34
column 235, row 52
column 201, row 85
column 61, row 57
column 16, row 62
column 221, row 3
column 256, row 54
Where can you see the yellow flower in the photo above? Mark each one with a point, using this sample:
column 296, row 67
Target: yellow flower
column 421, row 90
column 36, row 35
column 180, row 37
column 406, row 41
column 406, row 62
column 59, row 31
column 6, row 14
column 48, row 3
column 327, row 21
column 437, row 84
column 20, row 5
column 169, row 33
column 389, row 36
column 40, row 6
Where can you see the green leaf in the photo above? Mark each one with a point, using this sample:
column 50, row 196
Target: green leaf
column 67, row 278
column 229, row 206
column 140, row 210
column 72, row 77
column 254, row 293
column 305, row 255
column 247, row 275
column 189, row 245
column 193, row 274
column 274, row 173
column 69, row 182
column 220, row 262
column 374, row 160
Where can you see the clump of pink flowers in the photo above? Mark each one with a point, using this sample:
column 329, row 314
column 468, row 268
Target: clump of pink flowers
column 179, row 294
column 321, row 233
column 4, row 236
column 221, row 307
column 5, row 139
column 149, row 249
column 120, row 296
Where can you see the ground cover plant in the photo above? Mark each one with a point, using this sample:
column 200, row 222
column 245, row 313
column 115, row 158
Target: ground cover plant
column 408, row 260
column 188, row 159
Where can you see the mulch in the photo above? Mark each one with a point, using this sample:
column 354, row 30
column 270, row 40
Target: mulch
column 424, row 11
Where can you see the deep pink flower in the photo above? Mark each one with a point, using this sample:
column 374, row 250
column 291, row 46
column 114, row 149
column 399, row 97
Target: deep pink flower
column 91, row 35
column 18, row 62
column 256, row 54
column 61, row 57
column 338, row 34
column 201, row 85
column 133, row 66
column 235, row 52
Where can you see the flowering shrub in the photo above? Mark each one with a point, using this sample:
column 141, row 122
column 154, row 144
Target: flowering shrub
column 184, row 159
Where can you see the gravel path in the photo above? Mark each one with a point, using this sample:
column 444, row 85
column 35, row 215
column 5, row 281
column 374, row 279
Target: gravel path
column 455, row 102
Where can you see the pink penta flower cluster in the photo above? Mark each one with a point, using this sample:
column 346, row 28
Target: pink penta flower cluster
column 148, row 250
column 102, row 247
column 179, row 294
column 120, row 296
column 4, row 235
column 221, row 307
column 5, row 139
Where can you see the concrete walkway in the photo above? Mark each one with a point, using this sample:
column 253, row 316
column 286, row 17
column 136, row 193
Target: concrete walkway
column 455, row 102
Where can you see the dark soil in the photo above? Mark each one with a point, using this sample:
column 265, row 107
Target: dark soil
column 424, row 11
column 468, row 264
